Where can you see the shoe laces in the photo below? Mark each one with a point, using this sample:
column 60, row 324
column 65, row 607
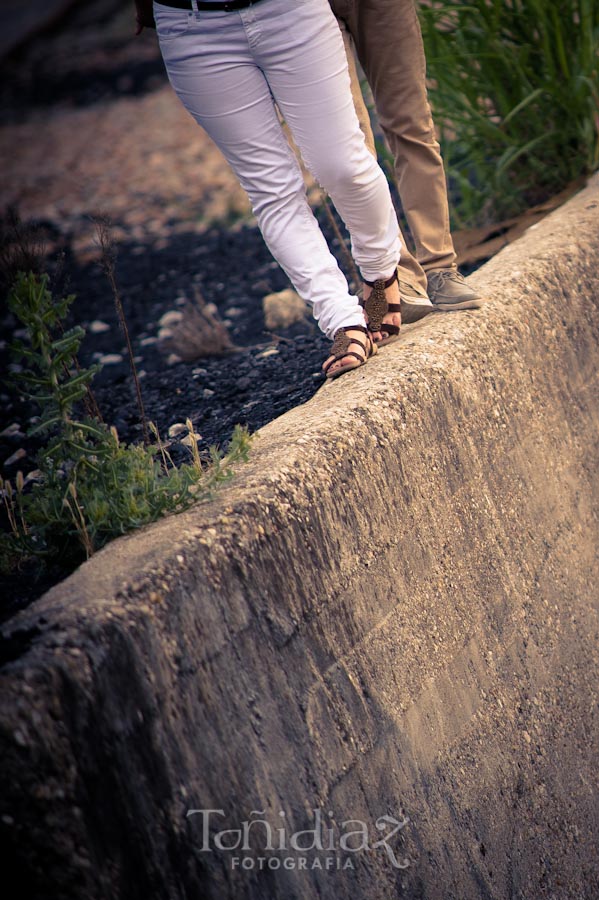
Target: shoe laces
column 452, row 275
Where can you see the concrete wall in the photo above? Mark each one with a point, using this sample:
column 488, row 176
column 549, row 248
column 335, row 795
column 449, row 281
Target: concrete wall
column 392, row 609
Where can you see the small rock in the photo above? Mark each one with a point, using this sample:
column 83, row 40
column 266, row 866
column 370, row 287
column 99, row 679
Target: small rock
column 13, row 430
column 189, row 441
column 148, row 341
column 20, row 738
column 172, row 317
column 16, row 456
column 98, row 327
column 108, row 359
column 207, row 393
column 199, row 371
column 198, row 332
column 270, row 351
column 243, row 383
column 172, row 359
column 233, row 312
column 283, row 309
column 177, row 428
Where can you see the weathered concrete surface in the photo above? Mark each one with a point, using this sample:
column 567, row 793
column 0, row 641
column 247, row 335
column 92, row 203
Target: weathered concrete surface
column 394, row 606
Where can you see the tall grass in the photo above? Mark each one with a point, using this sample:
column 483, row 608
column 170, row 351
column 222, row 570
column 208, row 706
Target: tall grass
column 514, row 86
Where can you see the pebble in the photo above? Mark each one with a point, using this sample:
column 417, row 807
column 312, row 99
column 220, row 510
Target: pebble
column 189, row 441
column 13, row 430
column 243, row 383
column 283, row 308
column 207, row 393
column 172, row 317
column 270, row 351
column 109, row 359
column 148, row 341
column 16, row 456
column 98, row 327
column 177, row 428
column 172, row 359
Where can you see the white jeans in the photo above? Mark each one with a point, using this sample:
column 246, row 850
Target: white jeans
column 229, row 69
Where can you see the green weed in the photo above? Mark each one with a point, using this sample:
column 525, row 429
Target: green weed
column 90, row 487
column 514, row 86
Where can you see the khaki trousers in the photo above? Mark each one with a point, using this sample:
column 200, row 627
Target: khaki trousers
column 386, row 38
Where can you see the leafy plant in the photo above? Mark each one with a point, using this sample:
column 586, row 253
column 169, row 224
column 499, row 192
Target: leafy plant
column 514, row 88
column 91, row 488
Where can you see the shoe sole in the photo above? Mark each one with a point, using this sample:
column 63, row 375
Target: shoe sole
column 463, row 304
column 414, row 309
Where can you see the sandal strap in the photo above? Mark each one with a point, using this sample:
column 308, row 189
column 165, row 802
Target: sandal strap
column 360, row 359
column 392, row 278
column 376, row 306
column 342, row 343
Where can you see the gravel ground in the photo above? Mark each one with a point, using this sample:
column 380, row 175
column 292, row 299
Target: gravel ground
column 89, row 128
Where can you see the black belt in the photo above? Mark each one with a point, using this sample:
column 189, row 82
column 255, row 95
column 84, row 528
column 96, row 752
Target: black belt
column 227, row 6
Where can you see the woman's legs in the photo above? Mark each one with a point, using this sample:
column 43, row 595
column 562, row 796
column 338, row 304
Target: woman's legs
column 310, row 83
column 216, row 63
column 312, row 89
column 211, row 67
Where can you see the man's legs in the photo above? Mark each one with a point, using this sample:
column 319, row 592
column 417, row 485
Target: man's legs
column 388, row 43
column 412, row 279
